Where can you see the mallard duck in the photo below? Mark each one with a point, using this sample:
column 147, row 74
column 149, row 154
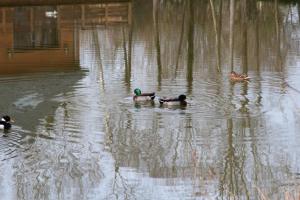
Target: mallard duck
column 238, row 77
column 180, row 100
column 139, row 96
column 5, row 122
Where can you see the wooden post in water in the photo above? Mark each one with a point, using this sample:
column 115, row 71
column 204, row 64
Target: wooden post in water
column 219, row 33
column 130, row 46
column 180, row 38
column 190, row 47
column 244, row 19
column 127, row 68
column 231, row 39
column 157, row 41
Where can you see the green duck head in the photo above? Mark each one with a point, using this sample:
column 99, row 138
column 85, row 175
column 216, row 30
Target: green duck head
column 137, row 92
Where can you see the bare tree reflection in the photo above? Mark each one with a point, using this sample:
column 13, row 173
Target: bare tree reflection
column 190, row 50
column 127, row 55
column 231, row 37
column 257, row 38
column 157, row 41
column 244, row 19
column 54, row 164
column 233, row 169
column 279, row 59
column 298, row 8
column 217, row 32
column 98, row 54
column 181, row 38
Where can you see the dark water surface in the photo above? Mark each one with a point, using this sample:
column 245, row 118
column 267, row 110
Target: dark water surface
column 67, row 74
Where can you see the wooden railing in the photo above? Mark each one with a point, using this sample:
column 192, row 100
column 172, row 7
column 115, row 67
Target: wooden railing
column 4, row 3
column 84, row 15
column 98, row 14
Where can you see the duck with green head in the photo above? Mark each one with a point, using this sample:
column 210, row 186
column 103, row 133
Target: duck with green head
column 140, row 97
column 178, row 101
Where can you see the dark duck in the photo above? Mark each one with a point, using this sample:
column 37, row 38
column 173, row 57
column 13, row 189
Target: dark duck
column 180, row 100
column 5, row 122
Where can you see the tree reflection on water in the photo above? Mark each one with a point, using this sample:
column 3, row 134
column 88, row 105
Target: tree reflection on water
column 90, row 141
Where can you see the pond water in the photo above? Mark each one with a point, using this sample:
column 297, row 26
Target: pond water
column 68, row 72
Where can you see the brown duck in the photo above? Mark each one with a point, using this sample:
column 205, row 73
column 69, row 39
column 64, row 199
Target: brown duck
column 238, row 77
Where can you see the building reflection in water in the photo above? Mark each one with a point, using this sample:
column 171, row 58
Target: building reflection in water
column 46, row 38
